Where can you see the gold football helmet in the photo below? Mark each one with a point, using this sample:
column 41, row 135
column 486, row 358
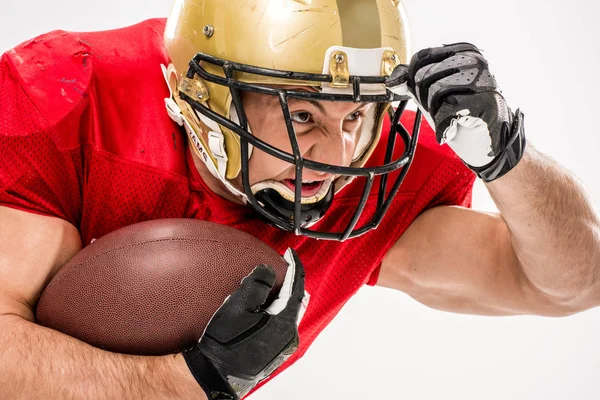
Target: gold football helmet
column 343, row 48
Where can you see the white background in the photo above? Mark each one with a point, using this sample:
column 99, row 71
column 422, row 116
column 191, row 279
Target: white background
column 384, row 345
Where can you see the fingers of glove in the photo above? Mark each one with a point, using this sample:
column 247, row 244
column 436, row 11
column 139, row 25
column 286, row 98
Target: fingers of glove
column 468, row 81
column 289, row 302
column 466, row 69
column 238, row 312
column 437, row 54
column 455, row 62
column 397, row 81
column 427, row 89
column 253, row 290
column 429, row 64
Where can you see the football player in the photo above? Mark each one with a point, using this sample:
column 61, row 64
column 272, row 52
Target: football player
column 285, row 119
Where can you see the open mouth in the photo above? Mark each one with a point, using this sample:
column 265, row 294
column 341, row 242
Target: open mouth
column 308, row 188
column 312, row 191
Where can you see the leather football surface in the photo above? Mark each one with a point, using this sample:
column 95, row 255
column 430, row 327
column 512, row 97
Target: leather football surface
column 151, row 288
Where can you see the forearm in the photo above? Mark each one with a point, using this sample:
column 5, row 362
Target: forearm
column 36, row 362
column 554, row 228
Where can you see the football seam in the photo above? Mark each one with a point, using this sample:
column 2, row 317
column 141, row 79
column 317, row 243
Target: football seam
column 57, row 280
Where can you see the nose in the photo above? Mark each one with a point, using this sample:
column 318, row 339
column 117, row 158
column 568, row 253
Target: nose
column 329, row 146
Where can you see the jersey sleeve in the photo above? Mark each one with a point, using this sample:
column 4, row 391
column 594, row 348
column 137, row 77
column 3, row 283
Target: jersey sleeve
column 39, row 170
column 450, row 184
column 458, row 191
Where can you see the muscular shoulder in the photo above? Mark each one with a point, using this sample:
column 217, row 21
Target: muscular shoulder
column 57, row 70
column 103, row 89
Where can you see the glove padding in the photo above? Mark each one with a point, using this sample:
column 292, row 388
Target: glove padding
column 461, row 99
column 244, row 343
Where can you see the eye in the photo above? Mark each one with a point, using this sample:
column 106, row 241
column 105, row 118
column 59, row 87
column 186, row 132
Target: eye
column 301, row 117
column 355, row 116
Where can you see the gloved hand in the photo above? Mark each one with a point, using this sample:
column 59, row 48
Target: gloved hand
column 244, row 343
column 461, row 100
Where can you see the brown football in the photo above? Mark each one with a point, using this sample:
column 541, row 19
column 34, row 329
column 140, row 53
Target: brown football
column 151, row 288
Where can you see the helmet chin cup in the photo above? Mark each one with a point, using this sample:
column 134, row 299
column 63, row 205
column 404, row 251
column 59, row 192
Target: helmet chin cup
column 311, row 213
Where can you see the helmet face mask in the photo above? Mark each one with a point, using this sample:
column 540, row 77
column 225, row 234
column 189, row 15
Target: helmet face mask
column 298, row 217
column 208, row 92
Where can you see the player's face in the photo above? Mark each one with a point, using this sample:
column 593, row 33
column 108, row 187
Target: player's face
column 327, row 132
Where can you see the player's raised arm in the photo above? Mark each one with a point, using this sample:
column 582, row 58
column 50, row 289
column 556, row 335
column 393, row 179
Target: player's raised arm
column 542, row 254
column 37, row 362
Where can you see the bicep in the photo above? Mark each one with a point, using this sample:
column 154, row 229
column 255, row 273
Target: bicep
column 33, row 248
column 460, row 260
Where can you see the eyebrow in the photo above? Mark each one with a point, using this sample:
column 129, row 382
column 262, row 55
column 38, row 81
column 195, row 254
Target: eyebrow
column 318, row 105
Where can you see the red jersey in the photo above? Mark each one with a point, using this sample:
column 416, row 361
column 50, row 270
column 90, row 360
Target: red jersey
column 84, row 136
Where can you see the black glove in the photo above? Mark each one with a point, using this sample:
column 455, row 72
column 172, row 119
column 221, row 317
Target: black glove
column 244, row 343
column 461, row 99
